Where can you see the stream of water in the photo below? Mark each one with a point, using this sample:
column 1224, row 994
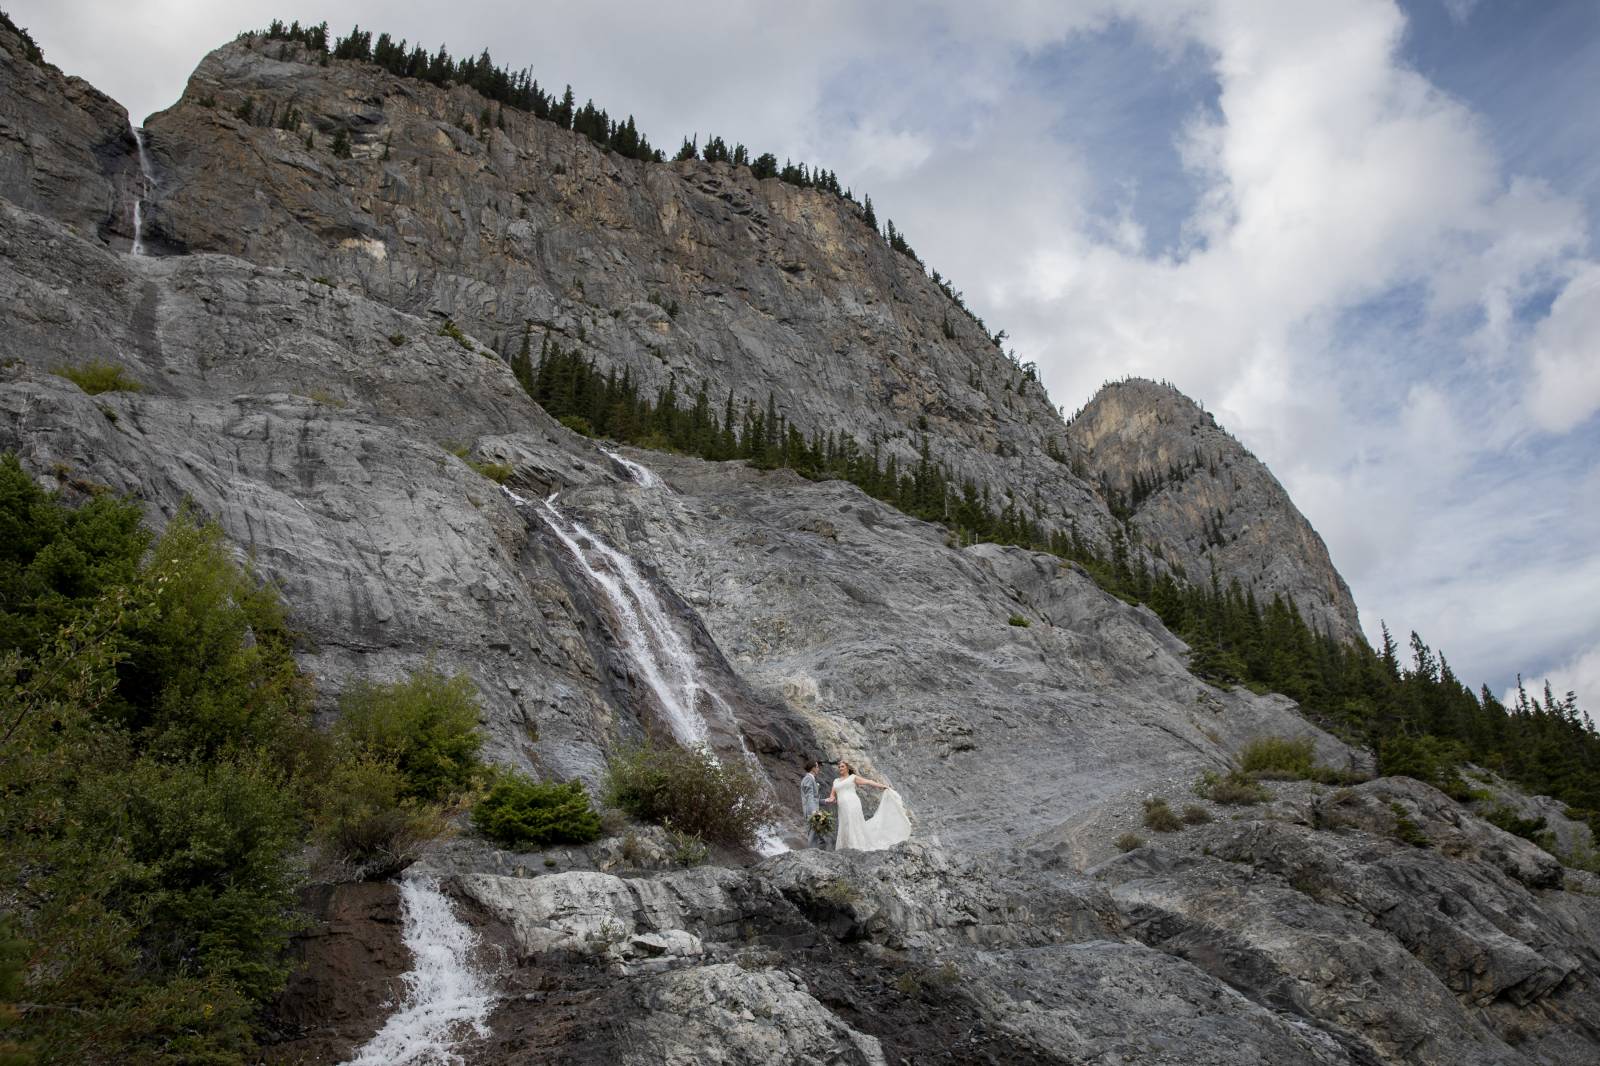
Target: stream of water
column 446, row 998
column 147, row 182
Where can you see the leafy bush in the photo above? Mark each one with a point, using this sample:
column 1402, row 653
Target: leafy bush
column 578, row 424
column 1195, row 815
column 1278, row 758
column 1532, row 829
column 690, row 791
column 1018, row 621
column 1129, row 841
column 1234, row 789
column 397, row 339
column 426, row 726
column 97, row 376
column 366, row 828
column 1159, row 816
column 520, row 812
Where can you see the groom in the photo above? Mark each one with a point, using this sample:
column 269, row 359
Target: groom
column 810, row 790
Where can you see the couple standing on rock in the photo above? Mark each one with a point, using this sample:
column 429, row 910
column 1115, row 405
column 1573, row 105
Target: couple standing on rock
column 887, row 827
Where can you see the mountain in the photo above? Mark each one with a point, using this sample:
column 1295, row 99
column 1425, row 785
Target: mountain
column 323, row 346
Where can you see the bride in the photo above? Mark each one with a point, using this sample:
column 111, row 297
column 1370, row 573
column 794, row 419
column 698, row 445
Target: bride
column 889, row 826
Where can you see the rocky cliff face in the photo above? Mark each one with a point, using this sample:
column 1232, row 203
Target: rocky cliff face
column 1195, row 494
column 296, row 387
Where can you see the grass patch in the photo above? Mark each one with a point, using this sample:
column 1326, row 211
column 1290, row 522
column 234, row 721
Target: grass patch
column 97, row 376
column 578, row 424
column 1278, row 758
column 397, row 339
column 1129, row 841
column 520, row 812
column 453, row 331
column 1234, row 789
column 1018, row 621
column 1194, row 814
column 1160, row 817
column 690, row 791
column 495, row 472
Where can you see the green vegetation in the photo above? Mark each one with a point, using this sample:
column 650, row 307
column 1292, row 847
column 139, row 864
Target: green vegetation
column 161, row 779
column 1532, row 829
column 424, row 726
column 453, row 331
column 1160, row 817
column 1278, row 758
column 1129, row 841
column 1195, row 815
column 1233, row 789
column 1018, row 621
column 97, row 376
column 397, row 339
column 689, row 791
column 30, row 52
column 1406, row 830
column 520, row 812
column 499, row 473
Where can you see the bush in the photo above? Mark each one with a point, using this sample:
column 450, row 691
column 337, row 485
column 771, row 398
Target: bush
column 1195, row 815
column 1405, row 830
column 97, row 376
column 1234, row 789
column 1159, row 816
column 1129, row 841
column 690, row 791
column 425, row 726
column 578, row 424
column 520, row 812
column 1531, row 829
column 1018, row 621
column 1278, row 758
column 366, row 829
column 1426, row 758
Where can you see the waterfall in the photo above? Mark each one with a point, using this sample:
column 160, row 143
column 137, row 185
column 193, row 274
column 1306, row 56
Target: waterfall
column 147, row 182
column 664, row 660
column 661, row 656
column 642, row 475
column 445, row 999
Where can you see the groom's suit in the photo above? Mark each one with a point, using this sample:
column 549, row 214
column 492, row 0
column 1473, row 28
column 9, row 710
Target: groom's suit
column 810, row 804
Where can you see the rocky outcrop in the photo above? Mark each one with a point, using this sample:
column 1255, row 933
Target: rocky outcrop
column 1197, row 496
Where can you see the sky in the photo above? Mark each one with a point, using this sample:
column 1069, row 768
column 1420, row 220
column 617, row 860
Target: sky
column 1361, row 233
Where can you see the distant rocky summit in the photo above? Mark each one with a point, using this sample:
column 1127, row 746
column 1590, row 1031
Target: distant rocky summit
column 322, row 346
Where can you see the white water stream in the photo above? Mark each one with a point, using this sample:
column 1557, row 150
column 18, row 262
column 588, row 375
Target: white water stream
column 446, row 999
column 652, row 643
column 147, row 182
column 642, row 475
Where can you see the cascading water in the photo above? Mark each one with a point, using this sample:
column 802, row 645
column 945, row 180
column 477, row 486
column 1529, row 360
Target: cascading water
column 661, row 656
column 446, row 999
column 147, row 182
column 664, row 660
column 642, row 475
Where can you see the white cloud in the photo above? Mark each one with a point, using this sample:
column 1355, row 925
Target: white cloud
column 1566, row 356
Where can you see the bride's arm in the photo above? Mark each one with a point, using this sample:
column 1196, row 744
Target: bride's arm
column 869, row 781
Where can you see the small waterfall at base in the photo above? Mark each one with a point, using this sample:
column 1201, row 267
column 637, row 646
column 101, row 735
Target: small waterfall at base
column 445, row 1001
column 147, row 182
column 662, row 657
column 642, row 475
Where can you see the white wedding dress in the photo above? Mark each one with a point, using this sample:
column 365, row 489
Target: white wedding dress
column 887, row 827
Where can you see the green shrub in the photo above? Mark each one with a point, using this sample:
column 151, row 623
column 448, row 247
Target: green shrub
column 1405, row 830
column 690, row 791
column 1129, row 841
column 1532, row 829
column 397, row 339
column 578, row 424
column 1159, row 816
column 453, row 331
column 1019, row 621
column 1233, row 789
column 366, row 828
column 520, row 812
column 1278, row 758
column 1195, row 815
column 1426, row 758
column 426, row 726
column 97, row 376
column 687, row 848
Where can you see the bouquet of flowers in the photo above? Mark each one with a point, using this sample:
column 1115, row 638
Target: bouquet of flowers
column 821, row 823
